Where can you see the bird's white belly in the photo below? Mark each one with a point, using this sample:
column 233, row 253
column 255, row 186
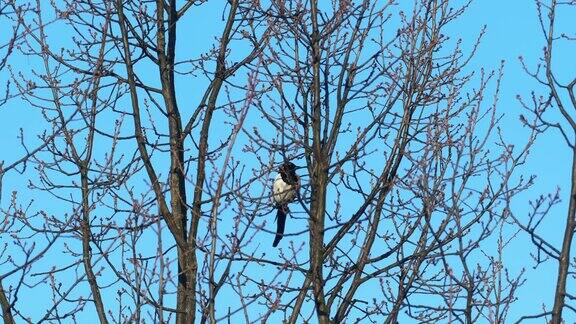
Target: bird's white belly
column 283, row 192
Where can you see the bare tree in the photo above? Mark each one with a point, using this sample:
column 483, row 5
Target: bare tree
column 349, row 93
column 553, row 111
column 161, row 149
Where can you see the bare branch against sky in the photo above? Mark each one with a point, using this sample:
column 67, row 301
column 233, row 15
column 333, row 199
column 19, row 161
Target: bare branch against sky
column 142, row 191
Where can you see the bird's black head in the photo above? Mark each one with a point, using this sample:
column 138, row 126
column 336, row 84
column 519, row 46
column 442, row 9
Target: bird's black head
column 288, row 173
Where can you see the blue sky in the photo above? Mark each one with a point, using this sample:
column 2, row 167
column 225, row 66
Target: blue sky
column 512, row 30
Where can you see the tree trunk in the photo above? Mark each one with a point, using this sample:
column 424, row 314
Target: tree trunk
column 564, row 258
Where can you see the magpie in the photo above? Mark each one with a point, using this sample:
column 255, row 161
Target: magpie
column 284, row 191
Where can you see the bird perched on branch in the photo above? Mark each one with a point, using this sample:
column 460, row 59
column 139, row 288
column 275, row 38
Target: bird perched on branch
column 284, row 190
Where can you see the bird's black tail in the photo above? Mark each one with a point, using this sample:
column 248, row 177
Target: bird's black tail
column 280, row 223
